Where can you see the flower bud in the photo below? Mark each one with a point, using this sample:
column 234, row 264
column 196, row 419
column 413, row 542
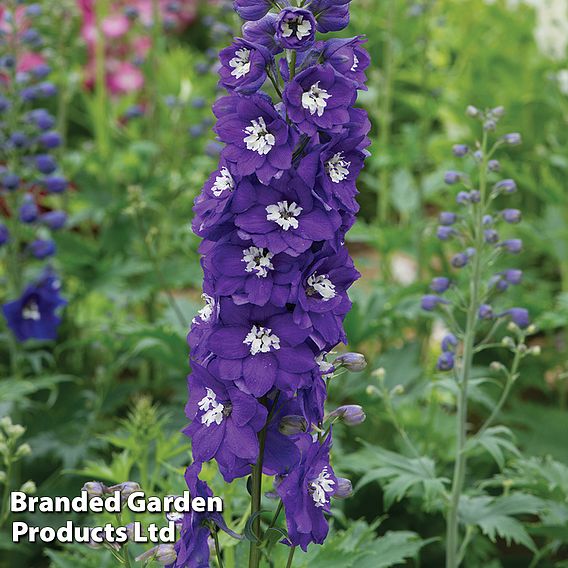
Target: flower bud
column 29, row 487
column 431, row 301
column 23, row 451
column 459, row 260
column 449, row 342
column 445, row 361
column 531, row 329
column 292, row 424
column 487, row 220
column 519, row 316
column 513, row 276
column 485, row 312
column 165, row 554
column 513, row 246
column 513, row 139
column 15, row 431
column 130, row 531
column 498, row 111
column 496, row 366
column 447, row 218
column 354, row 362
column 351, row 414
column 491, row 236
column 379, row 373
column 444, row 233
column 493, row 165
column 508, row 342
column 440, row 284
column 462, row 197
column 126, row 489
column 511, row 215
column 452, row 177
column 2, row 476
column 472, row 111
column 95, row 488
column 506, row 186
column 474, row 196
column 344, row 488
column 536, row 350
column 489, row 125
column 460, row 150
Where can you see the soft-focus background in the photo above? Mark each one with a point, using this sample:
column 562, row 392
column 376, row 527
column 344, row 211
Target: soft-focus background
column 105, row 401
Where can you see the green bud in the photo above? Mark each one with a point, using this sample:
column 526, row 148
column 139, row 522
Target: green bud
column 23, row 451
column 29, row 487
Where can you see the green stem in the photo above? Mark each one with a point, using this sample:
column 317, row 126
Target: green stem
column 256, row 500
column 217, row 548
column 6, row 495
column 290, row 557
column 276, row 514
column 452, row 532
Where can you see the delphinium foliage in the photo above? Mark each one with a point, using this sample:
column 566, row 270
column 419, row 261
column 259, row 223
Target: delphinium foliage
column 474, row 308
column 30, row 179
column 273, row 219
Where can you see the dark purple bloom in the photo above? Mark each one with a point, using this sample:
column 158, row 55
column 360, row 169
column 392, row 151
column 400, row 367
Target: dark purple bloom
column 42, row 248
column 331, row 15
column 440, row 284
column 10, row 181
column 45, row 163
column 306, row 492
column 445, row 361
column 463, row 197
column 243, row 66
column 444, row 233
column 252, row 9
column 258, row 348
column 55, row 184
column 491, row 236
column 511, row 215
column 493, row 166
column 4, row 234
column 28, row 210
column 296, row 29
column 452, row 177
column 348, row 57
column 41, row 118
column 224, row 423
column 47, row 89
column 263, row 32
column 319, row 98
column 34, row 314
column 258, row 139
column 460, row 150
column 459, row 260
column 286, row 218
column 474, row 196
column 19, row 139
column 519, row 316
column 50, row 140
column 430, row 302
column 54, row 219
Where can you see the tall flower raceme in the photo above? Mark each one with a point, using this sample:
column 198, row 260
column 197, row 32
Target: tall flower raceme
column 472, row 303
column 30, row 177
column 273, row 219
column 127, row 37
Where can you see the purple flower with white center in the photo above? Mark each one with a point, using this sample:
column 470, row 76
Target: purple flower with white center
column 243, row 66
column 286, row 218
column 224, row 423
column 34, row 315
column 349, row 58
column 331, row 15
column 258, row 139
column 259, row 348
column 296, row 29
column 306, row 493
column 318, row 98
column 322, row 297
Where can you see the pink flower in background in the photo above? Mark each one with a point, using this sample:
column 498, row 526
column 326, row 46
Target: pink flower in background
column 29, row 61
column 127, row 32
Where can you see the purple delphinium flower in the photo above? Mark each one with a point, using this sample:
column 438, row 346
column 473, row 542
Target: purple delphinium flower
column 306, row 493
column 55, row 220
column 446, row 361
column 42, row 248
column 4, row 234
column 331, row 15
column 243, row 66
column 513, row 246
column 28, row 210
column 258, row 139
column 224, row 423
column 319, row 98
column 347, row 57
column 296, row 29
column 430, row 302
column 34, row 314
column 440, row 284
column 519, row 316
column 449, row 342
column 252, row 9
column 263, row 32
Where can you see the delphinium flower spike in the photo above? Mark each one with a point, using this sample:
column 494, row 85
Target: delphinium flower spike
column 30, row 177
column 474, row 295
column 273, row 219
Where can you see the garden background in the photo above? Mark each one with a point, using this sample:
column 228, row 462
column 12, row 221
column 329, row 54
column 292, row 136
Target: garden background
column 105, row 400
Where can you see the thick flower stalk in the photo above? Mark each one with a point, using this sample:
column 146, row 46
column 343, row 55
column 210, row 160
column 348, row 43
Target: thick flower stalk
column 30, row 178
column 273, row 219
column 472, row 303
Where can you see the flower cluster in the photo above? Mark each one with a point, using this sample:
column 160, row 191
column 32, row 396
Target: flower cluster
column 478, row 227
column 30, row 177
column 273, row 219
column 127, row 41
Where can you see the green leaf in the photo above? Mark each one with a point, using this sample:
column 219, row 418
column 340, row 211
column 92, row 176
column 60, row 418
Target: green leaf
column 392, row 549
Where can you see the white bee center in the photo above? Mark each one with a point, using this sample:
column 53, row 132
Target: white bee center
column 31, row 311
column 324, row 366
column 322, row 285
column 259, row 139
column 261, row 340
column 315, row 100
column 258, row 260
column 240, row 63
column 211, row 408
column 320, row 486
column 297, row 26
column 355, row 63
column 205, row 313
column 223, row 182
column 337, row 168
column 284, row 214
